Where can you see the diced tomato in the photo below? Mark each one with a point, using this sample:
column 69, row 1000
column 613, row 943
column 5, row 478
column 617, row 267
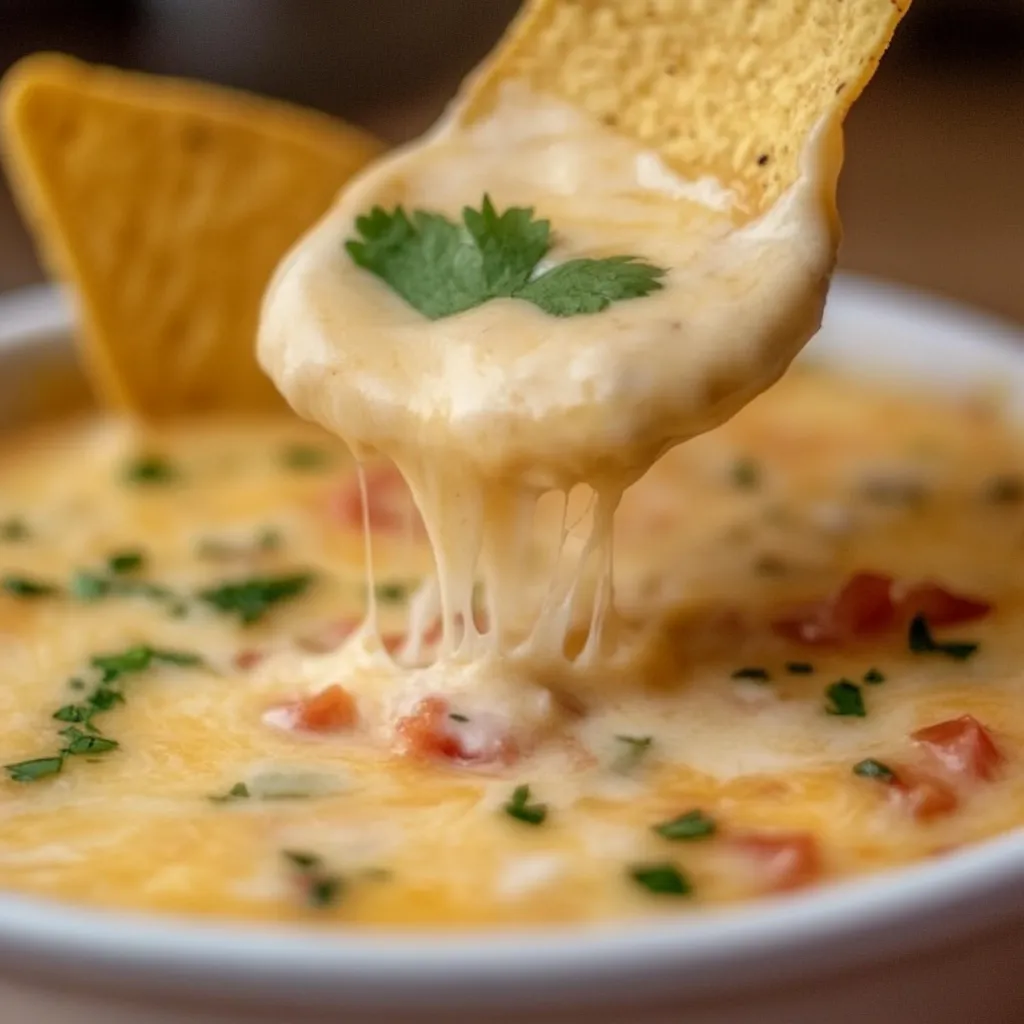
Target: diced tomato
column 862, row 607
column 941, row 607
column 390, row 508
column 249, row 657
column 924, row 796
column 784, row 860
column 431, row 732
column 327, row 711
column 962, row 746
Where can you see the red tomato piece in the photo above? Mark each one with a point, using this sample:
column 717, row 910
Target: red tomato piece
column 962, row 746
column 327, row 637
column 924, row 796
column 784, row 860
column 249, row 657
column 863, row 606
column 942, row 607
column 327, row 711
column 390, row 508
column 431, row 732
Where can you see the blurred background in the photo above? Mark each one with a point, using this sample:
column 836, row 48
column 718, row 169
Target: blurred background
column 932, row 194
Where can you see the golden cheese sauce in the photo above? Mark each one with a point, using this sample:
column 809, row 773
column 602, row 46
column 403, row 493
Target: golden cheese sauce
column 724, row 711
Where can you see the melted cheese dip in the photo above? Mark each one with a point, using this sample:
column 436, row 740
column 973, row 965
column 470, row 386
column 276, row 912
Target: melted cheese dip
column 484, row 410
column 726, row 707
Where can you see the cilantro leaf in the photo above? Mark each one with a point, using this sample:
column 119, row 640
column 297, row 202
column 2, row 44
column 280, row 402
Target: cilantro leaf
column 661, row 879
column 634, row 750
column 693, row 824
column 869, row 768
column 589, row 286
column 511, row 244
column 921, row 641
column 845, row 699
column 251, row 599
column 23, row 586
column 442, row 268
column 37, row 768
column 520, row 808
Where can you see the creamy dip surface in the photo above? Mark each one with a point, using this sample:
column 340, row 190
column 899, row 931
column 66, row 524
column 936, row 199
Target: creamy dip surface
column 267, row 767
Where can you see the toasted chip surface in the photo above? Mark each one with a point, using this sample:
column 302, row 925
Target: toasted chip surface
column 166, row 206
column 723, row 88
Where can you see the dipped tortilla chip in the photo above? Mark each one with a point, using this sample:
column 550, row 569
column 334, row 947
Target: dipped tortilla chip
column 727, row 89
column 166, row 206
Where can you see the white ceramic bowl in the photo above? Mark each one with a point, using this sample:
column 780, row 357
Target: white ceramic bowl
column 941, row 943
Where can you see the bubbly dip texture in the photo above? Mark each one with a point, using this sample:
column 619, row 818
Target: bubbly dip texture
column 484, row 411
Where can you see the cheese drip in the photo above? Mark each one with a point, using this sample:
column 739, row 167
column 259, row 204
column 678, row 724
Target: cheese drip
column 485, row 411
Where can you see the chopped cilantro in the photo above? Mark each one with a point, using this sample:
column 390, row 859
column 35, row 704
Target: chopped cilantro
column 391, row 593
column 693, row 824
column 251, row 599
column 14, row 529
column 845, row 698
column 520, row 808
column 149, row 469
column 25, row 586
column 37, row 768
column 442, row 268
column 746, row 474
column 799, row 668
column 874, row 676
column 759, row 675
column 88, row 586
column 321, row 887
column 105, row 695
column 239, row 791
column 456, row 717
column 635, row 749
column 869, row 768
column 661, row 879
column 125, row 562
column 921, row 641
column 305, row 457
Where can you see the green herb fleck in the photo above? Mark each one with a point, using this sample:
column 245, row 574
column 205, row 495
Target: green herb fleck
column 456, row 717
column 520, row 808
column 305, row 457
column 759, row 675
column 874, row 676
column 25, row 586
column 149, row 469
column 391, row 593
column 845, row 698
column 322, row 888
column 88, row 586
column 799, row 668
column 661, row 879
column 693, row 824
column 921, row 641
column 635, row 749
column 38, row 768
column 79, row 743
column 869, row 768
column 251, row 599
column 239, row 791
column 746, row 474
column 14, row 530
column 122, row 562
column 442, row 268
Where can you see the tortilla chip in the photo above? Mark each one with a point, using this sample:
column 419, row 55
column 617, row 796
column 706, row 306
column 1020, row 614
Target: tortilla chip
column 729, row 89
column 166, row 205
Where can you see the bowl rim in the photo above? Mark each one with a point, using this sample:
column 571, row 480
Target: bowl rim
column 845, row 926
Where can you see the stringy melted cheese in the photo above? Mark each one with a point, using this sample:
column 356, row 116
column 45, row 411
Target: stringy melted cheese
column 702, row 554
column 484, row 411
